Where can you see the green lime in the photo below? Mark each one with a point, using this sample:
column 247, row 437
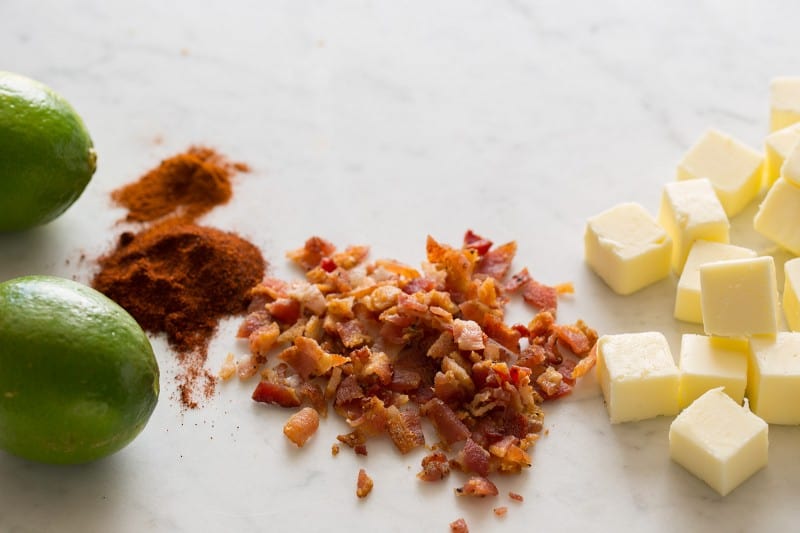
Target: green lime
column 46, row 155
column 78, row 377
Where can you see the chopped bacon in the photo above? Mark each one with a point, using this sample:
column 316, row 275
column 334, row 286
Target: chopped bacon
column 228, row 367
column 518, row 280
column 473, row 458
column 500, row 511
column 435, row 467
column 247, row 366
column 353, row 333
column 252, row 322
column 364, row 484
column 478, row 486
column 404, row 380
column 516, row 497
column 285, row 310
column 350, row 257
column 309, row 359
column 459, row 526
column 301, row 426
column 468, row 335
column 497, row 261
column 543, row 297
column 310, row 255
column 268, row 392
column 476, row 242
column 263, row 339
column 445, row 421
column 405, row 429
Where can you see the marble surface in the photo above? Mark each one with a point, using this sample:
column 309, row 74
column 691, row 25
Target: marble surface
column 379, row 123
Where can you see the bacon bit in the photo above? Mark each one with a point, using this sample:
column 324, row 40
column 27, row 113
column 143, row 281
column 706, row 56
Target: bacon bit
column 268, row 392
column 334, row 449
column 476, row 242
column 247, row 366
column 550, row 381
column 447, row 424
column 301, row 426
column 360, row 449
column 500, row 511
column 285, row 310
column 473, row 459
column 435, row 467
column 308, row 359
column 405, row 429
column 263, row 339
column 459, row 526
column 364, row 484
column 253, row 321
column 543, row 297
column 516, row 497
column 478, row 486
column 228, row 367
column 468, row 335
column 312, row 253
column 497, row 262
column 352, row 333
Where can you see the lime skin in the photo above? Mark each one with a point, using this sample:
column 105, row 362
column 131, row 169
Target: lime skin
column 47, row 155
column 78, row 376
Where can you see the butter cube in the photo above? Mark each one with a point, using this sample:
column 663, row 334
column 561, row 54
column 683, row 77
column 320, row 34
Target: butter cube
column 637, row 375
column 710, row 362
column 777, row 145
column 627, row 248
column 773, row 380
column 784, row 102
column 739, row 297
column 687, row 298
column 791, row 290
column 735, row 170
column 777, row 216
column 790, row 170
column 690, row 210
column 719, row 441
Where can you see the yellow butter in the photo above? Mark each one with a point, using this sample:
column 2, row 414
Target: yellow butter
column 637, row 375
column 791, row 290
column 773, row 380
column 734, row 169
column 627, row 248
column 705, row 364
column 739, row 297
column 784, row 102
column 719, row 441
column 690, row 210
column 777, row 146
column 776, row 218
column 687, row 296
column 790, row 170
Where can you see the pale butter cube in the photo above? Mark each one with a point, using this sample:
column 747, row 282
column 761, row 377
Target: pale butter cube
column 719, row 441
column 637, row 375
column 687, row 297
column 773, row 381
column 777, row 146
column 710, row 362
column 778, row 216
column 784, row 102
column 627, row 248
column 735, row 170
column 790, row 170
column 739, row 297
column 791, row 290
column 690, row 210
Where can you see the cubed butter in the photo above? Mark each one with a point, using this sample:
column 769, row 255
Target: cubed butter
column 784, row 102
column 790, row 170
column 777, row 146
column 637, row 375
column 707, row 363
column 777, row 216
column 687, row 297
column 791, row 290
column 739, row 297
column 690, row 210
column 773, row 381
column 627, row 248
column 719, row 441
column 735, row 170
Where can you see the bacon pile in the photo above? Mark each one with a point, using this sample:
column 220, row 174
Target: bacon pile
column 389, row 345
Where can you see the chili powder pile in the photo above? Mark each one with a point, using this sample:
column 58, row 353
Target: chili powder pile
column 175, row 276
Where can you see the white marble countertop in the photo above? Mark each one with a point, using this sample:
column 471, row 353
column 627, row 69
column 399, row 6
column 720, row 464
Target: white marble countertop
column 515, row 118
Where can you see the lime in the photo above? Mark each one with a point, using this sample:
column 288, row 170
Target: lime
column 46, row 153
column 78, row 377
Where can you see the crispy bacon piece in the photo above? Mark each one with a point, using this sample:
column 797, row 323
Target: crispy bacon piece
column 364, row 484
column 468, row 335
column 284, row 310
column 476, row 242
column 497, row 261
column 268, row 392
column 449, row 428
column 263, row 339
column 228, row 367
column 353, row 333
column 459, row 526
column 308, row 359
column 478, row 486
column 312, row 253
column 435, row 467
column 543, row 297
column 253, row 321
column 404, row 428
column 473, row 458
column 516, row 497
column 301, row 426
column 500, row 511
